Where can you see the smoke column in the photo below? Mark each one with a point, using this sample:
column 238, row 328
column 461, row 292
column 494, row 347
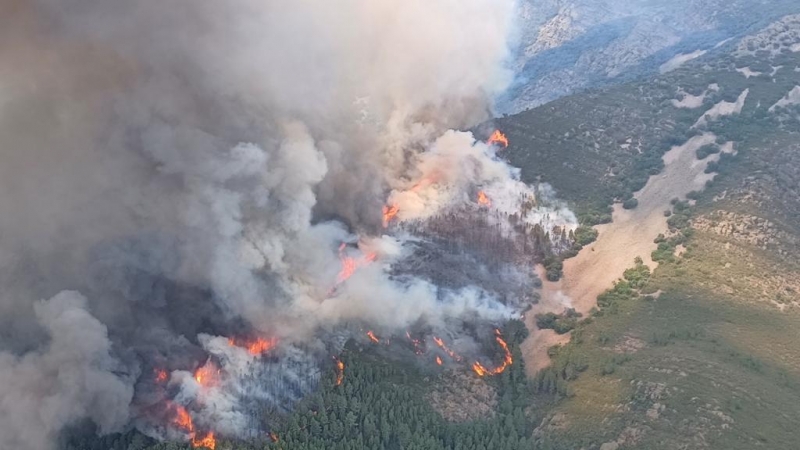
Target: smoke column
column 175, row 171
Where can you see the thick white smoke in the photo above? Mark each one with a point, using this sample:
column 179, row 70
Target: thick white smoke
column 191, row 166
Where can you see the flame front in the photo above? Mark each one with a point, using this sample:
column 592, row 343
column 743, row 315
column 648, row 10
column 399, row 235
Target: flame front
column 455, row 356
column 483, row 199
column 507, row 359
column 207, row 441
column 339, row 371
column 206, row 375
column 498, row 139
column 372, row 337
column 256, row 347
column 389, row 212
column 350, row 264
column 183, row 421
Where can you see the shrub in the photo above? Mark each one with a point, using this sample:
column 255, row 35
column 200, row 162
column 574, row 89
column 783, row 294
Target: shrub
column 707, row 150
column 630, row 203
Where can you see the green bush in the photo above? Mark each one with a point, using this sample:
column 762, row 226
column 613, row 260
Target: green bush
column 630, row 203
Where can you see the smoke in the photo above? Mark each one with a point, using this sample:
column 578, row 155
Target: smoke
column 71, row 376
column 194, row 168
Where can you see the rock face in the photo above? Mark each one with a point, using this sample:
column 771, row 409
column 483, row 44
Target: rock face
column 569, row 45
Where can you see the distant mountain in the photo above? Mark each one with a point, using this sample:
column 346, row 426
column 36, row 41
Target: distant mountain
column 566, row 46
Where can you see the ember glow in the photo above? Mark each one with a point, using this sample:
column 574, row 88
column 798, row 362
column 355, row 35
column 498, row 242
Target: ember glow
column 438, row 360
column 418, row 350
column 339, row 371
column 481, row 370
column 161, row 376
column 255, row 347
column 372, row 337
column 389, row 213
column 483, row 199
column 498, row 139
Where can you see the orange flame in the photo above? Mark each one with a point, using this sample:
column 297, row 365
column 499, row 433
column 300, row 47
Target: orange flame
column 255, row 347
column 161, row 375
column 372, row 337
column 389, row 212
column 206, row 375
column 207, row 441
column 273, row 437
column 507, row 359
column 483, row 199
column 339, row 371
column 418, row 350
column 184, row 421
column 498, row 138
column 444, row 347
column 438, row 361
column 350, row 264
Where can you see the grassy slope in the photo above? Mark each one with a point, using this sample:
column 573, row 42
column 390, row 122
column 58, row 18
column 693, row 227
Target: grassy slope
column 712, row 362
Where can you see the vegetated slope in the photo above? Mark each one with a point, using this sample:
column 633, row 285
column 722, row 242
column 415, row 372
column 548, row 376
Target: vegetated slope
column 705, row 351
column 702, row 353
column 570, row 45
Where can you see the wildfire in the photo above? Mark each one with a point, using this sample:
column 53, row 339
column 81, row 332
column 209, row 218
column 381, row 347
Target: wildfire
column 483, row 199
column 161, row 375
column 389, row 212
column 372, row 337
column 207, row 441
column 507, row 359
column 339, row 371
column 418, row 350
column 438, row 361
column 206, row 375
column 184, row 421
column 498, row 138
column 256, row 347
column 350, row 264
column 273, row 437
column 444, row 347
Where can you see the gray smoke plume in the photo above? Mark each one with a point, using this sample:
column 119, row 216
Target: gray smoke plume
column 192, row 168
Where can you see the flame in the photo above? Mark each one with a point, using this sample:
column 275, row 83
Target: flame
column 483, row 200
column 372, row 337
column 161, row 375
column 207, row 441
column 444, row 347
column 339, row 371
column 389, row 212
column 351, row 264
column 507, row 359
column 273, row 437
column 184, row 421
column 206, row 375
column 498, row 139
column 438, row 361
column 256, row 347
column 418, row 350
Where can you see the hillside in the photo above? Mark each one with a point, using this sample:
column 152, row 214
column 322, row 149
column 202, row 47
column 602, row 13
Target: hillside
column 702, row 353
column 697, row 343
column 567, row 46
